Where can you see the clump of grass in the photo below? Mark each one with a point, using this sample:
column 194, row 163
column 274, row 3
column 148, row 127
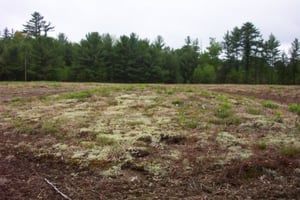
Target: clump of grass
column 17, row 99
column 23, row 127
column 102, row 140
column 269, row 104
column 295, row 108
column 232, row 120
column 290, row 150
column 78, row 95
column 262, row 145
column 21, row 100
column 189, row 90
column 205, row 93
column 253, row 111
column 51, row 127
column 277, row 116
column 177, row 102
column 112, row 102
column 221, row 98
column 56, row 85
column 104, row 91
column 192, row 124
column 170, row 91
column 223, row 111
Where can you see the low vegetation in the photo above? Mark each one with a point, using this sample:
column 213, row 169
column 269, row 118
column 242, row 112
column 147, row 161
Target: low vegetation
column 151, row 137
column 294, row 107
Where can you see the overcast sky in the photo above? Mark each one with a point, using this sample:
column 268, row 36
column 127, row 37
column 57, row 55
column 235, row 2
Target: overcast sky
column 172, row 19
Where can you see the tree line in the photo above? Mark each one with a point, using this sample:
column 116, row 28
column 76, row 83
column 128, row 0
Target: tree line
column 242, row 57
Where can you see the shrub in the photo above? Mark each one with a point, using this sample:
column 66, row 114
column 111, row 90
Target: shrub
column 295, row 108
column 206, row 74
column 170, row 91
column 223, row 111
column 177, row 102
column 269, row 104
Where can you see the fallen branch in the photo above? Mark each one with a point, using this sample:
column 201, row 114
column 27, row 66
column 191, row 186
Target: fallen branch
column 57, row 190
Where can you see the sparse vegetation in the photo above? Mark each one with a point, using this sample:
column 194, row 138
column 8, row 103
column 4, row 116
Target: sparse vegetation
column 262, row 145
column 254, row 111
column 294, row 107
column 277, row 116
column 78, row 95
column 223, row 111
column 128, row 132
column 269, row 104
column 177, row 102
column 290, row 150
column 102, row 140
column 51, row 127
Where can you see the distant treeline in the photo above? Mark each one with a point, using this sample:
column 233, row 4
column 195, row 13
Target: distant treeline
column 242, row 57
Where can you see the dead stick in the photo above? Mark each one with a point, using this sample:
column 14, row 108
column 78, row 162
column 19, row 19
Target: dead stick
column 57, row 190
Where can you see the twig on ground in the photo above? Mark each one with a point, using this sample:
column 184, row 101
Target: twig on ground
column 57, row 190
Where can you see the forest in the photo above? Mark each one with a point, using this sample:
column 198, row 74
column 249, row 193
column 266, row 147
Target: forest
column 243, row 57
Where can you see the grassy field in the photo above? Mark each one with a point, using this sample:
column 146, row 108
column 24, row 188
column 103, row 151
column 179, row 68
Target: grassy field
column 144, row 141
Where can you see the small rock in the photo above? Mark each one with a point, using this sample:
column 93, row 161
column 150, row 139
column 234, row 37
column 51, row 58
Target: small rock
column 133, row 179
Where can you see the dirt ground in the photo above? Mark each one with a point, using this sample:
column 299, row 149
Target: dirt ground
column 267, row 174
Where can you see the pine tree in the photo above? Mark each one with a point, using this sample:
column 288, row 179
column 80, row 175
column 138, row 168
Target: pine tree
column 36, row 25
column 295, row 58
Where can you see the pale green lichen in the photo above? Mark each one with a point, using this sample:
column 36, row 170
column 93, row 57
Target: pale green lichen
column 173, row 154
column 112, row 171
column 156, row 169
column 227, row 138
column 61, row 147
column 79, row 154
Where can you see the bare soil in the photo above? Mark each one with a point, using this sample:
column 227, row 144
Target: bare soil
column 266, row 174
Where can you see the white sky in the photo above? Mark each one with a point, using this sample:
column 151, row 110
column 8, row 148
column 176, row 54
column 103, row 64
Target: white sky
column 172, row 19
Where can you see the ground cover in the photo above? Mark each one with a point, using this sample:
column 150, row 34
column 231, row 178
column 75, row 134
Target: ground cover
column 143, row 141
